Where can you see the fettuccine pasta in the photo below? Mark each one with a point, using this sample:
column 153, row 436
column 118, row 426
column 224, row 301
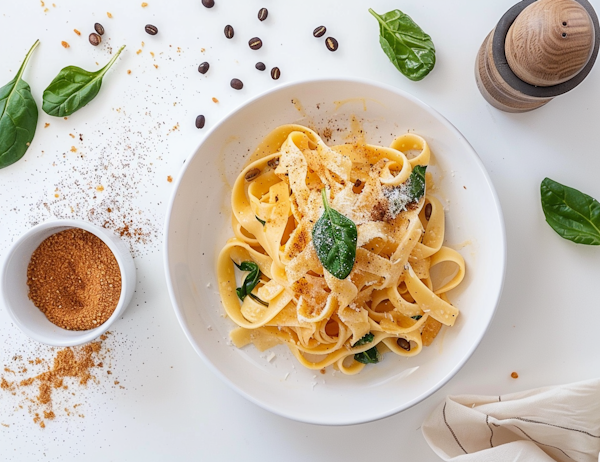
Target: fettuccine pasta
column 387, row 303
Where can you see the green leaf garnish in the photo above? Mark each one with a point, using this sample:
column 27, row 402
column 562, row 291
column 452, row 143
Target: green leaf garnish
column 405, row 44
column 572, row 214
column 73, row 88
column 334, row 238
column 262, row 222
column 18, row 116
column 251, row 279
column 416, row 189
column 416, row 317
column 370, row 356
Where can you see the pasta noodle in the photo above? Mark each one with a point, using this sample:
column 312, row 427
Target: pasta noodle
column 387, row 303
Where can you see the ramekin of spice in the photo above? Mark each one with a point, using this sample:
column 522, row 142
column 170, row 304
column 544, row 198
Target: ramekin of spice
column 64, row 282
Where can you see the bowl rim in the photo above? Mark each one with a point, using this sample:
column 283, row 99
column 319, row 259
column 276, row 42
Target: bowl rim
column 331, row 421
column 85, row 336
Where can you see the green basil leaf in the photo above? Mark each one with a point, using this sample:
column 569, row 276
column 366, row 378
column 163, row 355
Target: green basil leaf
column 334, row 238
column 572, row 214
column 262, row 222
column 18, row 116
column 368, row 338
column 370, row 356
column 416, row 188
column 406, row 45
column 411, row 191
column 251, row 279
column 73, row 88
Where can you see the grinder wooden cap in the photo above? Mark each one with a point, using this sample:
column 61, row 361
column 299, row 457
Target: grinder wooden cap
column 550, row 42
column 538, row 50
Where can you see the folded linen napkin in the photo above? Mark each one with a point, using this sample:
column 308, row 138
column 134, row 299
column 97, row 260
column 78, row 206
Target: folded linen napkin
column 546, row 424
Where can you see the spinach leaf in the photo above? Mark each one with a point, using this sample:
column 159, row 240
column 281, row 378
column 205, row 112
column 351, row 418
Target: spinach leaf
column 404, row 42
column 18, row 116
column 251, row 279
column 334, row 238
column 368, row 338
column 572, row 214
column 416, row 180
column 370, row 356
column 73, row 88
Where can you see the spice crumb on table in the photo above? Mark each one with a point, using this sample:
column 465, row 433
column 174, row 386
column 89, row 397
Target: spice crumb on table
column 57, row 381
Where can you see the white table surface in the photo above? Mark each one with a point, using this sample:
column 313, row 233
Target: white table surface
column 171, row 406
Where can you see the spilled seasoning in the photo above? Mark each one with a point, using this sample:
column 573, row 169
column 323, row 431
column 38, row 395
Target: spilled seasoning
column 69, row 371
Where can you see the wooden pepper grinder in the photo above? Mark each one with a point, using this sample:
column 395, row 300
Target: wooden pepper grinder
column 538, row 50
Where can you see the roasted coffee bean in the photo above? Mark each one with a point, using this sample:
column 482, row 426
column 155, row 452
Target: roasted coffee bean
column 404, row 344
column 262, row 14
column 319, row 31
column 275, row 73
column 228, row 31
column 273, row 163
column 200, row 121
column 252, row 174
column 208, row 3
column 255, row 43
column 260, row 66
column 331, row 43
column 99, row 28
column 95, row 39
column 237, row 84
column 150, row 29
column 428, row 211
column 203, row 68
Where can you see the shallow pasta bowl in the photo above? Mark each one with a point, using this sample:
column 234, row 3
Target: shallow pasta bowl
column 199, row 223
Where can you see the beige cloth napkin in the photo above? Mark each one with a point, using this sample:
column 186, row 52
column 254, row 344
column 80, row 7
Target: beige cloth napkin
column 547, row 424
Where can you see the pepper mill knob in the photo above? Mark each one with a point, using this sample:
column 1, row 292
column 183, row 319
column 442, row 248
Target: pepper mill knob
column 550, row 42
column 538, row 50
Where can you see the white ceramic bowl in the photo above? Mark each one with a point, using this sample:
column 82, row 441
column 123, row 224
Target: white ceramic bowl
column 14, row 289
column 199, row 222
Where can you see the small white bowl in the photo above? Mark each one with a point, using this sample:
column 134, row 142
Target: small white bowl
column 14, row 290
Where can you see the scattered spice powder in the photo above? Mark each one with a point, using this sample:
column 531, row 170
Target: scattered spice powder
column 109, row 15
column 514, row 375
column 138, row 52
column 128, row 71
column 65, row 44
column 170, row 179
column 156, row 66
column 76, row 31
column 72, row 363
column 73, row 149
column 46, row 125
column 144, row 4
column 74, row 279
column 215, row 100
